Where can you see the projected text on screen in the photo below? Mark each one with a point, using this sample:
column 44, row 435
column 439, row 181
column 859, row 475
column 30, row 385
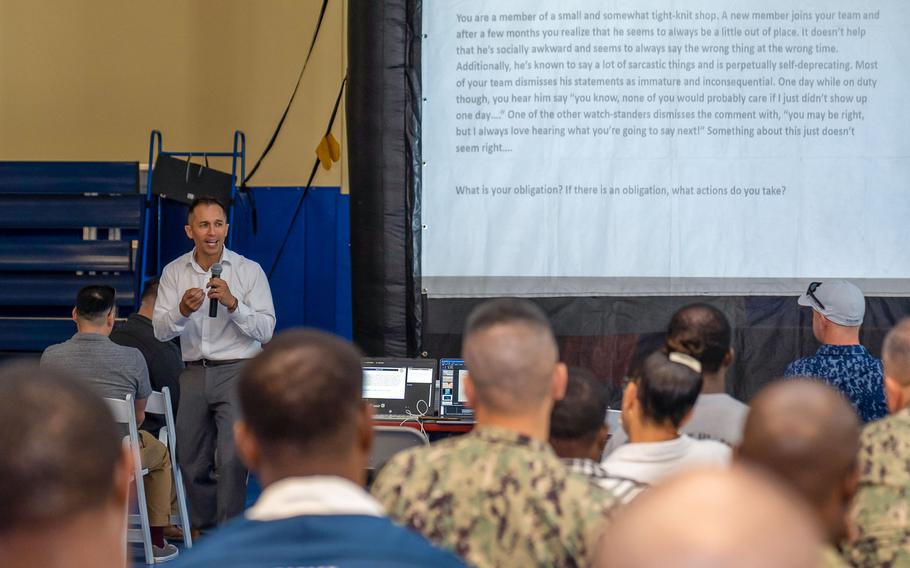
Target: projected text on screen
column 625, row 147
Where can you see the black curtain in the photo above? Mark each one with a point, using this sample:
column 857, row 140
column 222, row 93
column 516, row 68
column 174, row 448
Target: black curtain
column 611, row 336
column 383, row 127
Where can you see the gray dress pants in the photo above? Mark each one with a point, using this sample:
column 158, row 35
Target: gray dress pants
column 214, row 476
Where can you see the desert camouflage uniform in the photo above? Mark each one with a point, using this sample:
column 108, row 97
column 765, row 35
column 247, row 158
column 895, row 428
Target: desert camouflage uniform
column 496, row 498
column 881, row 509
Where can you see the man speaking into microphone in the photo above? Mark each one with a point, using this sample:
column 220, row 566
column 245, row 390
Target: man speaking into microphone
column 216, row 340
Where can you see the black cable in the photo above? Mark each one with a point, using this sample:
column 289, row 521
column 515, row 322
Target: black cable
column 287, row 109
column 309, row 182
column 268, row 148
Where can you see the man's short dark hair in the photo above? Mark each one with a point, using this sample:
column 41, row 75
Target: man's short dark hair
column 580, row 414
column 151, row 290
column 702, row 331
column 303, row 391
column 511, row 370
column 94, row 302
column 60, row 448
column 667, row 390
column 505, row 310
column 204, row 201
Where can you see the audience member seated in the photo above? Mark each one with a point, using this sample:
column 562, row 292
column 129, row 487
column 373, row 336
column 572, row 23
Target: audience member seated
column 64, row 476
column 881, row 510
column 114, row 371
column 713, row 519
column 702, row 331
column 654, row 407
column 838, row 308
column 161, row 357
column 306, row 432
column 578, row 433
column 807, row 434
column 500, row 496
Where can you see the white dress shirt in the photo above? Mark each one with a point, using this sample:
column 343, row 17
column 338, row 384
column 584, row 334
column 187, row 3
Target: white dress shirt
column 313, row 495
column 237, row 335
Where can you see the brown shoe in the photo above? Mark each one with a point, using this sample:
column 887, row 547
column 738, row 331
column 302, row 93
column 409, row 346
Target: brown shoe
column 173, row 532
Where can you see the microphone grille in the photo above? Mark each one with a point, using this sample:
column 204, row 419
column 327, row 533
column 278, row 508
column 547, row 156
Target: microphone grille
column 216, row 270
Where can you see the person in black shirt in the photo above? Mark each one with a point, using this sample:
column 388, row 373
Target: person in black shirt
column 162, row 357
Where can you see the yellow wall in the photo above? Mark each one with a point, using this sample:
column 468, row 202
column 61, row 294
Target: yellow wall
column 89, row 79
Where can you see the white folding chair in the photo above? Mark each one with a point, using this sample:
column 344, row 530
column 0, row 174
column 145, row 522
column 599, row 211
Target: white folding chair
column 160, row 403
column 389, row 440
column 124, row 412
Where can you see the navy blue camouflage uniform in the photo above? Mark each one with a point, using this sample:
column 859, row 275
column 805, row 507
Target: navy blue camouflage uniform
column 851, row 370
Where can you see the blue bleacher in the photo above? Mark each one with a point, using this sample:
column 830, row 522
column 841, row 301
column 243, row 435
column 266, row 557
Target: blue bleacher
column 23, row 210
column 65, row 257
column 36, row 289
column 69, row 177
column 46, row 252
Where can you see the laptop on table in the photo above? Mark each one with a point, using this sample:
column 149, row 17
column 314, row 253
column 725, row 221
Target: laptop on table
column 400, row 389
column 453, row 403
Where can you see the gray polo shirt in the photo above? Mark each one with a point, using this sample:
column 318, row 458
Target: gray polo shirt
column 112, row 370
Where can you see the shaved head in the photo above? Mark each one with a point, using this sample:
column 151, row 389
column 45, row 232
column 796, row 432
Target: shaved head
column 713, row 519
column 807, row 434
column 896, row 353
column 510, row 353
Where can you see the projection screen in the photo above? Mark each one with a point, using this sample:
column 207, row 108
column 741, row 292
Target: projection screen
column 655, row 147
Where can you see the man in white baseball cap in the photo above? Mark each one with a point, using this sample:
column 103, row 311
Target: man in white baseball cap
column 838, row 308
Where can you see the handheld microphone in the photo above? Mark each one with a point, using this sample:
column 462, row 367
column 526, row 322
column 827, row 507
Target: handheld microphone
column 213, row 303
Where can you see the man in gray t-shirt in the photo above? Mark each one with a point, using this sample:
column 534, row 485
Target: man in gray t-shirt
column 115, row 371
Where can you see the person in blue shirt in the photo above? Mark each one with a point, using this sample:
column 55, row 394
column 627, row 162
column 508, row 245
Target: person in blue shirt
column 838, row 308
column 306, row 432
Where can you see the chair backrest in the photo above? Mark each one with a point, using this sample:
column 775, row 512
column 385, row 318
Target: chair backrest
column 124, row 412
column 389, row 440
column 155, row 403
column 160, row 403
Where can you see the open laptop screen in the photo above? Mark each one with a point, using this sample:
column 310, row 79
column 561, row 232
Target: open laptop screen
column 399, row 387
column 452, row 400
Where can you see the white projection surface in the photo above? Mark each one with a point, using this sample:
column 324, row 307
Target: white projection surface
column 649, row 147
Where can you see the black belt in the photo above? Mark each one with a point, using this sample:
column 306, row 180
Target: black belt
column 211, row 363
